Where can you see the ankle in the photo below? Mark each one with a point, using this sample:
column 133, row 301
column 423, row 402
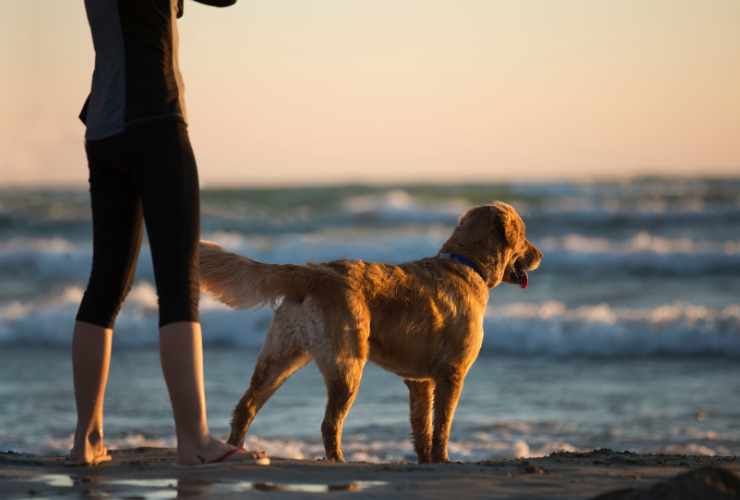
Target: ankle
column 200, row 450
column 88, row 438
column 193, row 444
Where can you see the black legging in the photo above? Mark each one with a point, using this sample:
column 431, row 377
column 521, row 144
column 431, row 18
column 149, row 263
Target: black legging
column 147, row 174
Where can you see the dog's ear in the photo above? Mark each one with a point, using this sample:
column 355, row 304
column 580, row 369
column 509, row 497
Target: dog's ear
column 474, row 227
column 510, row 226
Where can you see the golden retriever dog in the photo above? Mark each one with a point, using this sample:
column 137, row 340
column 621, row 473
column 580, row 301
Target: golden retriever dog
column 421, row 320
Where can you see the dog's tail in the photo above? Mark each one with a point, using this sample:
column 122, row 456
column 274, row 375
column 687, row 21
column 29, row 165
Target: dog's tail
column 243, row 283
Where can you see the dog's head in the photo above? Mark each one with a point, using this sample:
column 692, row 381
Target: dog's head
column 493, row 236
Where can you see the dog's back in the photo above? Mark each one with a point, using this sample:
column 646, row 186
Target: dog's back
column 416, row 296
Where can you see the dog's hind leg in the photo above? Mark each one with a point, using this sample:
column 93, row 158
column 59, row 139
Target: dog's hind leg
column 342, row 378
column 421, row 397
column 281, row 356
column 269, row 374
column 446, row 395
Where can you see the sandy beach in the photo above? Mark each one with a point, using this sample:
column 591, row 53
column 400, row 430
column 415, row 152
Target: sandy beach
column 150, row 473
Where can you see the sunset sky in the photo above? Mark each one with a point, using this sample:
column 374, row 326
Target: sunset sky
column 292, row 92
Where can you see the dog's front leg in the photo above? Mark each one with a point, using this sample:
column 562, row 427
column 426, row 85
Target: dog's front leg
column 421, row 396
column 446, row 395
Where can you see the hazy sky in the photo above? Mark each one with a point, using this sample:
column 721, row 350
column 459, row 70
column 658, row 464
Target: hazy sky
column 415, row 90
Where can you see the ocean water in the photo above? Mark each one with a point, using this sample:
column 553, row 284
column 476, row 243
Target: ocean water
column 628, row 337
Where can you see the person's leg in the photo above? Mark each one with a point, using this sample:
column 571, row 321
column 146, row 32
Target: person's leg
column 168, row 181
column 117, row 233
column 181, row 354
column 91, row 349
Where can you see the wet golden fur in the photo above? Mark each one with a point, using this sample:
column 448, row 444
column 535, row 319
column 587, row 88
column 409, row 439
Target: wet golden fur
column 422, row 320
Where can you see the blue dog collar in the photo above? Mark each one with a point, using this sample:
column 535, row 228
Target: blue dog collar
column 464, row 260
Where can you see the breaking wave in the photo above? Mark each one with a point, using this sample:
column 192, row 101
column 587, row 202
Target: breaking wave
column 548, row 328
column 668, row 329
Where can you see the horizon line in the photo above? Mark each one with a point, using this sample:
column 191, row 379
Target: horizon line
column 348, row 183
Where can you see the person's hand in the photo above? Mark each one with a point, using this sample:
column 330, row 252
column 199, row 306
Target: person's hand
column 212, row 3
column 217, row 3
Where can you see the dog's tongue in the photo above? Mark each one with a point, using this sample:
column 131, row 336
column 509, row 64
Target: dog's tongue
column 523, row 279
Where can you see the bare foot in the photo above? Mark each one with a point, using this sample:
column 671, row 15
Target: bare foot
column 240, row 455
column 88, row 449
column 88, row 455
column 216, row 451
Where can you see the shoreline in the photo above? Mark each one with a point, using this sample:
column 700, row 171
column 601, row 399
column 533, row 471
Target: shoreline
column 150, row 473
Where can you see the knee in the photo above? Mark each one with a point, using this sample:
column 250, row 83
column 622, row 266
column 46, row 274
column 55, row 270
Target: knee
column 339, row 394
column 101, row 303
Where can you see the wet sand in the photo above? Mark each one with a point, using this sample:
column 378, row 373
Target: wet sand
column 150, row 474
